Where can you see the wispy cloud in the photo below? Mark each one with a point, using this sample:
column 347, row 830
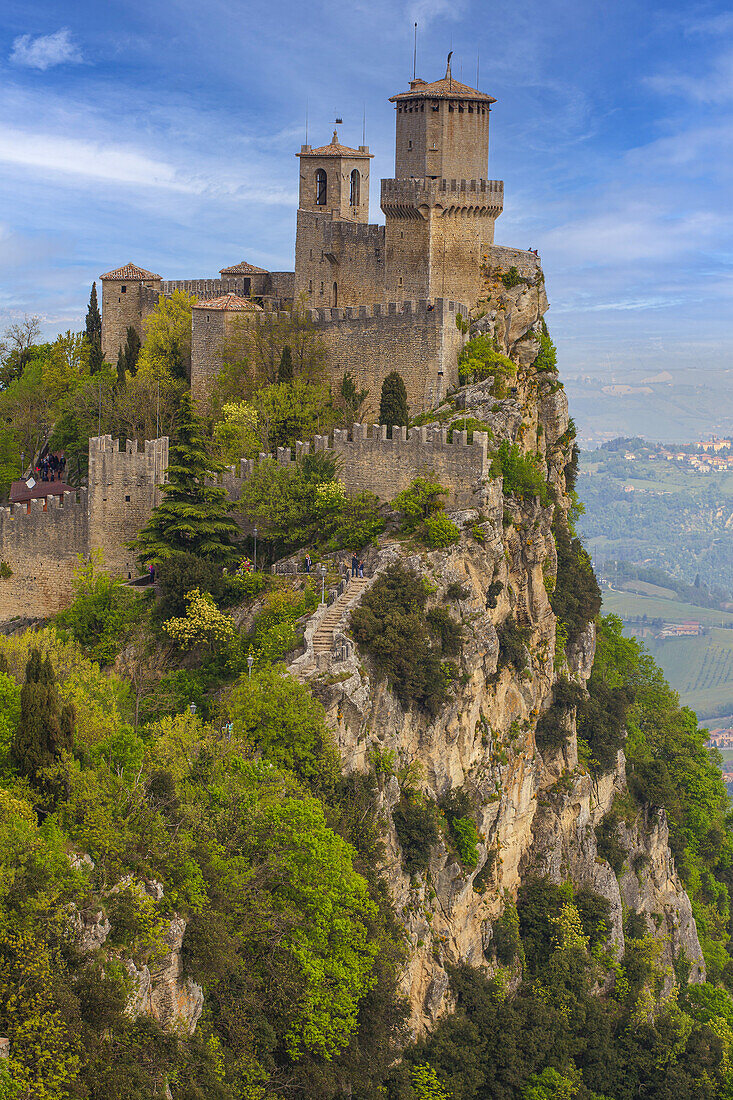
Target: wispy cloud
column 44, row 51
column 715, row 85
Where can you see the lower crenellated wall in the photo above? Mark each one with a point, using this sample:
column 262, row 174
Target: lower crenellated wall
column 41, row 544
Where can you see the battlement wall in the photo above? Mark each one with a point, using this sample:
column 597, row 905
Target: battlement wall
column 369, row 461
column 338, row 263
column 41, row 542
column 123, row 490
column 402, row 197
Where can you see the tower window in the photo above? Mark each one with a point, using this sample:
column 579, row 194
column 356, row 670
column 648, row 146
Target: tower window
column 321, row 187
column 310, row 286
column 409, row 145
column 355, row 188
column 321, row 288
column 123, row 290
column 208, row 318
column 335, row 294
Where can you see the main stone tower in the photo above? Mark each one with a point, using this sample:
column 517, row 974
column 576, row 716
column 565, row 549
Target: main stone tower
column 440, row 209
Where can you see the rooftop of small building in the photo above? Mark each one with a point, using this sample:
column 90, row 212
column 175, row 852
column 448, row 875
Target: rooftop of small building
column 335, row 149
column 21, row 491
column 243, row 268
column 228, row 302
column 445, row 88
column 130, row 271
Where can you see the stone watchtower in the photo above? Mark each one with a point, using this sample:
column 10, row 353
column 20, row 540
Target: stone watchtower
column 128, row 295
column 440, row 209
column 333, row 203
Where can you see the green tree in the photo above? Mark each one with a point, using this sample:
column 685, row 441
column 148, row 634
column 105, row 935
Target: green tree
column 279, row 718
column 352, row 398
column 93, row 332
column 393, row 407
column 285, row 369
column 46, row 727
column 193, row 516
column 130, row 354
column 168, row 335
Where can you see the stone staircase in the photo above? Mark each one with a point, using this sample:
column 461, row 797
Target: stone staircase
column 323, row 637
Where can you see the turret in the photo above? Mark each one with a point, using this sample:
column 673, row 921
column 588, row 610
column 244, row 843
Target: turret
column 123, row 305
column 334, row 179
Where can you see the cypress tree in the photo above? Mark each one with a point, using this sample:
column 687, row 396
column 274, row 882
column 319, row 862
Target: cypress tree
column 94, row 333
column 120, row 367
column 94, row 319
column 131, row 350
column 193, row 517
column 285, row 370
column 45, row 729
column 393, row 409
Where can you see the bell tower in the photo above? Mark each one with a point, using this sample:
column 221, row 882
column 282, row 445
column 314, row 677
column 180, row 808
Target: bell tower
column 334, row 179
column 440, row 208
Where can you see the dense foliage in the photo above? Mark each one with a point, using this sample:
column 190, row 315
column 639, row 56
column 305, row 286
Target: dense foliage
column 393, row 408
column 407, row 644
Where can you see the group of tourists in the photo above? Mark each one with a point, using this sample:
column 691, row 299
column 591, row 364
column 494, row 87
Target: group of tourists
column 357, row 566
column 51, row 467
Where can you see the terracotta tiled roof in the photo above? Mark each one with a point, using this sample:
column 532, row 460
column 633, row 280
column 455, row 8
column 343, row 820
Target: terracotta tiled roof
column 243, row 269
column 447, row 88
column 335, row 149
column 20, row 493
column 228, row 302
column 130, row 271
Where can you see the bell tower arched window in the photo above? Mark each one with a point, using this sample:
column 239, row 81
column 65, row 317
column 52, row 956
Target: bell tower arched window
column 321, row 187
column 355, row 188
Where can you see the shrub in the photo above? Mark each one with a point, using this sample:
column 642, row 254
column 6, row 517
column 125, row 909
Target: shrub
column 392, row 626
column 577, row 598
column 522, row 475
column 419, row 500
column 441, row 532
column 180, row 574
column 552, row 730
column 416, row 824
column 609, row 843
column 506, row 940
column 470, row 424
column 492, row 594
column 457, row 591
column 203, row 624
column 448, row 630
column 546, row 360
column 102, row 612
column 479, row 359
column 512, row 278
column 512, row 645
column 466, row 841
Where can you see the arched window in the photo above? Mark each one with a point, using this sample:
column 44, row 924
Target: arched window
column 355, row 187
column 321, row 187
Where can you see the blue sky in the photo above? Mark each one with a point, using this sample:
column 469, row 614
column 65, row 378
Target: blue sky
column 165, row 133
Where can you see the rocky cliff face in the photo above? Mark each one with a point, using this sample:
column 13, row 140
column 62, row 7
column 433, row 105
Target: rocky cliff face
column 536, row 812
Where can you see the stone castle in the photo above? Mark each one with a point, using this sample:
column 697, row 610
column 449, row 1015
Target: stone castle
column 382, row 297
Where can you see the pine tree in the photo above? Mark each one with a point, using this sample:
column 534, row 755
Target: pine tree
column 393, row 409
column 94, row 333
column 285, row 369
column 131, row 350
column 45, row 729
column 193, row 517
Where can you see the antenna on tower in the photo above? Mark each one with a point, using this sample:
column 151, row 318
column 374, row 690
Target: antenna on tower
column 363, row 125
column 478, row 58
column 306, row 121
column 414, row 56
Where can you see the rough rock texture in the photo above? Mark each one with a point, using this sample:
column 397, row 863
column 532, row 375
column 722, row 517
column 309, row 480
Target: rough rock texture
column 534, row 814
column 163, row 991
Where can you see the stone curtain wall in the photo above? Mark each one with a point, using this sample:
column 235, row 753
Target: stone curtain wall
column 123, row 490
column 41, row 546
column 419, row 339
column 370, row 461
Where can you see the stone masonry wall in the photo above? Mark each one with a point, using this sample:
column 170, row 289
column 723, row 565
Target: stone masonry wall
column 369, row 461
column 41, row 545
column 207, row 337
column 419, row 339
column 346, row 253
column 123, row 490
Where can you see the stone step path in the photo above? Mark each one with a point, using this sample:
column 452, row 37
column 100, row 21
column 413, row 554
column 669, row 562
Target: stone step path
column 323, row 637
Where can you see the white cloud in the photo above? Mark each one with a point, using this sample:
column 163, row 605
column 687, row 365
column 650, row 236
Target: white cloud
column 715, row 86
column 45, row 50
